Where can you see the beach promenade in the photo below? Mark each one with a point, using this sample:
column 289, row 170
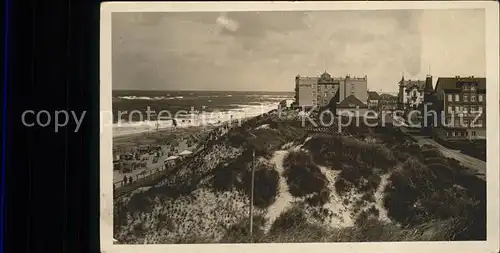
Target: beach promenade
column 173, row 143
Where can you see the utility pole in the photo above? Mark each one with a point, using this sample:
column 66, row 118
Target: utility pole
column 251, row 195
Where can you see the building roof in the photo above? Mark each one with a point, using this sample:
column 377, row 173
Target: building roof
column 351, row 102
column 451, row 84
column 373, row 95
column 409, row 84
column 325, row 75
column 428, row 85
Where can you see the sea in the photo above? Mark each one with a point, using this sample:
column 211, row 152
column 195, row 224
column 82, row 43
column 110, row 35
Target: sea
column 188, row 108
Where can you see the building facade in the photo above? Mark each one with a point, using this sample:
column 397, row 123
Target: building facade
column 373, row 100
column 319, row 91
column 315, row 91
column 461, row 106
column 411, row 93
column 388, row 102
column 357, row 86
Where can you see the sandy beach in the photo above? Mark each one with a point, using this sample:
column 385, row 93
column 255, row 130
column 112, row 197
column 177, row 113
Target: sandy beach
column 172, row 141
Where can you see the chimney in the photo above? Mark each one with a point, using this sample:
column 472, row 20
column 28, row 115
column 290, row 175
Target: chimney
column 428, row 84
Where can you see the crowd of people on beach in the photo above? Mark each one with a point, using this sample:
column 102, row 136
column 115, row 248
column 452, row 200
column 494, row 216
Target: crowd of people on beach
column 155, row 151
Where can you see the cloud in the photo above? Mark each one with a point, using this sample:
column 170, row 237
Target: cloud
column 227, row 23
column 265, row 50
column 258, row 24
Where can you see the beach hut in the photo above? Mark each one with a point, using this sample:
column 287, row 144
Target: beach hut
column 171, row 158
column 170, row 161
column 185, row 153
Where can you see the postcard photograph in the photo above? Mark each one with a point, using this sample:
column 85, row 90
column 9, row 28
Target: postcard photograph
column 288, row 123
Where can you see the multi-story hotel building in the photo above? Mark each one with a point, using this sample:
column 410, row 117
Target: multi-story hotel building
column 315, row 91
column 319, row 91
column 412, row 92
column 461, row 102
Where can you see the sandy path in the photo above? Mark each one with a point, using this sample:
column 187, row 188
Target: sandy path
column 341, row 213
column 284, row 198
column 379, row 198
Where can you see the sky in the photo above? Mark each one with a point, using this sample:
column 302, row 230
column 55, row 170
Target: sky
column 264, row 51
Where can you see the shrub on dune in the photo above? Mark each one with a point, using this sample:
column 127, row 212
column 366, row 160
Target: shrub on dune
column 297, row 158
column 302, row 175
column 266, row 184
column 357, row 174
column 319, row 199
column 291, row 219
column 419, row 193
column 240, row 232
column 237, row 138
column 335, row 150
column 224, row 178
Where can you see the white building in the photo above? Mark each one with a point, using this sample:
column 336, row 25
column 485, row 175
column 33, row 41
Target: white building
column 319, row 91
column 412, row 92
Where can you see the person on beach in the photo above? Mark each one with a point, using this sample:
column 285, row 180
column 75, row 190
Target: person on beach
column 130, row 180
column 124, row 180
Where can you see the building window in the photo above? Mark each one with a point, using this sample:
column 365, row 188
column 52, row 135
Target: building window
column 457, row 109
column 480, row 98
column 473, row 133
column 473, row 87
column 450, row 97
column 466, row 110
column 480, row 109
column 473, row 98
column 473, row 109
column 466, row 87
column 457, row 97
column 450, row 109
column 479, row 123
column 466, row 123
column 466, row 98
column 457, row 122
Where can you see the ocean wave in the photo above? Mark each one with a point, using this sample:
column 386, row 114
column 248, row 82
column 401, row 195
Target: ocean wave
column 149, row 98
column 159, row 98
column 197, row 119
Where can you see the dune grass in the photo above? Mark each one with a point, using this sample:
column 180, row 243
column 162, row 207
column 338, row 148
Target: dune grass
column 428, row 197
column 293, row 226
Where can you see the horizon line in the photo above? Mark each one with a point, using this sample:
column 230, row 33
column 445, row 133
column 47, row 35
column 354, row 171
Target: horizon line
column 292, row 91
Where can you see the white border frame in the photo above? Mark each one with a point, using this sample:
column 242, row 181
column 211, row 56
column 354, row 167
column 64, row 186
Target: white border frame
column 492, row 77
